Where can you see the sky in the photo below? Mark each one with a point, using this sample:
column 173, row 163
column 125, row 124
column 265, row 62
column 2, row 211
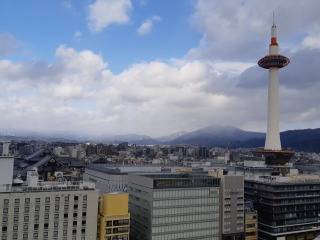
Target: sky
column 154, row 67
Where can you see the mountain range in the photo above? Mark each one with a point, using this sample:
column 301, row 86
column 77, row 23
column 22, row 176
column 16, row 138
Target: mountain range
column 225, row 136
column 220, row 136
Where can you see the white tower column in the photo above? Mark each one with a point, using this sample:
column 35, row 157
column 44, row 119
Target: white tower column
column 273, row 134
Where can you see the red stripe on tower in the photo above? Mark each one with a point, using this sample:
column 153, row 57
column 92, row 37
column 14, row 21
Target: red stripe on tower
column 274, row 41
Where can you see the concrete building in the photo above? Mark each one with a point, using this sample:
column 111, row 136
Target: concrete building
column 6, row 165
column 6, row 168
column 174, row 206
column 114, row 218
column 288, row 206
column 48, row 210
column 232, row 207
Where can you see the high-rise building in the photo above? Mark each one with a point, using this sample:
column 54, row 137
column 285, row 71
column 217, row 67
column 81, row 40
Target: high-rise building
column 232, row 207
column 48, row 210
column 114, row 218
column 174, row 206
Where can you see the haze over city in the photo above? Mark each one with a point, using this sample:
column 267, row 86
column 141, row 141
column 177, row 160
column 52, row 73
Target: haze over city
column 154, row 67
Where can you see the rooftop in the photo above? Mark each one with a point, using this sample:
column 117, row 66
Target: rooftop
column 49, row 187
column 290, row 179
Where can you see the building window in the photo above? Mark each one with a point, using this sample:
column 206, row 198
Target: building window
column 109, row 223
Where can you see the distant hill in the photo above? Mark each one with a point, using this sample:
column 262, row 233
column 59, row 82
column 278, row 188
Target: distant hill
column 302, row 140
column 221, row 136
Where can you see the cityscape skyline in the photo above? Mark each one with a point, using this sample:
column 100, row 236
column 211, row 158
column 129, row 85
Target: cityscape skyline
column 148, row 70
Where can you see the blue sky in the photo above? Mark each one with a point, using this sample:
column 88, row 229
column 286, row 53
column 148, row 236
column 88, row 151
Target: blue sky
column 41, row 26
column 155, row 67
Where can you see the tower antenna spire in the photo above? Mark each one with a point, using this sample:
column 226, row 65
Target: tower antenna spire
column 273, row 21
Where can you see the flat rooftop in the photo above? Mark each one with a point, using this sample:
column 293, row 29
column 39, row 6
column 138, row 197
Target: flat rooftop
column 182, row 180
column 49, row 187
column 290, row 179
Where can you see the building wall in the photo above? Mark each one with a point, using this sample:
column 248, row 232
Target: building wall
column 107, row 182
column 232, row 199
column 172, row 213
column 251, row 225
column 294, row 206
column 114, row 218
column 6, row 166
column 51, row 215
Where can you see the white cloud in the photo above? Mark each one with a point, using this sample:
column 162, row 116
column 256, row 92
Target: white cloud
column 239, row 30
column 103, row 13
column 80, row 94
column 312, row 41
column 147, row 25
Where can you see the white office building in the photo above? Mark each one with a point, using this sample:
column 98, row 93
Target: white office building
column 48, row 210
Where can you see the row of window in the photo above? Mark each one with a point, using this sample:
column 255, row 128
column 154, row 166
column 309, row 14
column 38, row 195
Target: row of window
column 46, row 200
column 195, row 227
column 185, row 218
column 186, row 210
column 187, row 202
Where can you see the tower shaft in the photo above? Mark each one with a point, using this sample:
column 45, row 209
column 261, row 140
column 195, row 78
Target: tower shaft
column 273, row 134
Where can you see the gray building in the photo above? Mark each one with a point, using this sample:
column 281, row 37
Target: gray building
column 232, row 207
column 113, row 178
column 174, row 206
column 48, row 210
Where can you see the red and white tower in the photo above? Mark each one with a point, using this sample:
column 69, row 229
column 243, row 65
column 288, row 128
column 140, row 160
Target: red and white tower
column 273, row 62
